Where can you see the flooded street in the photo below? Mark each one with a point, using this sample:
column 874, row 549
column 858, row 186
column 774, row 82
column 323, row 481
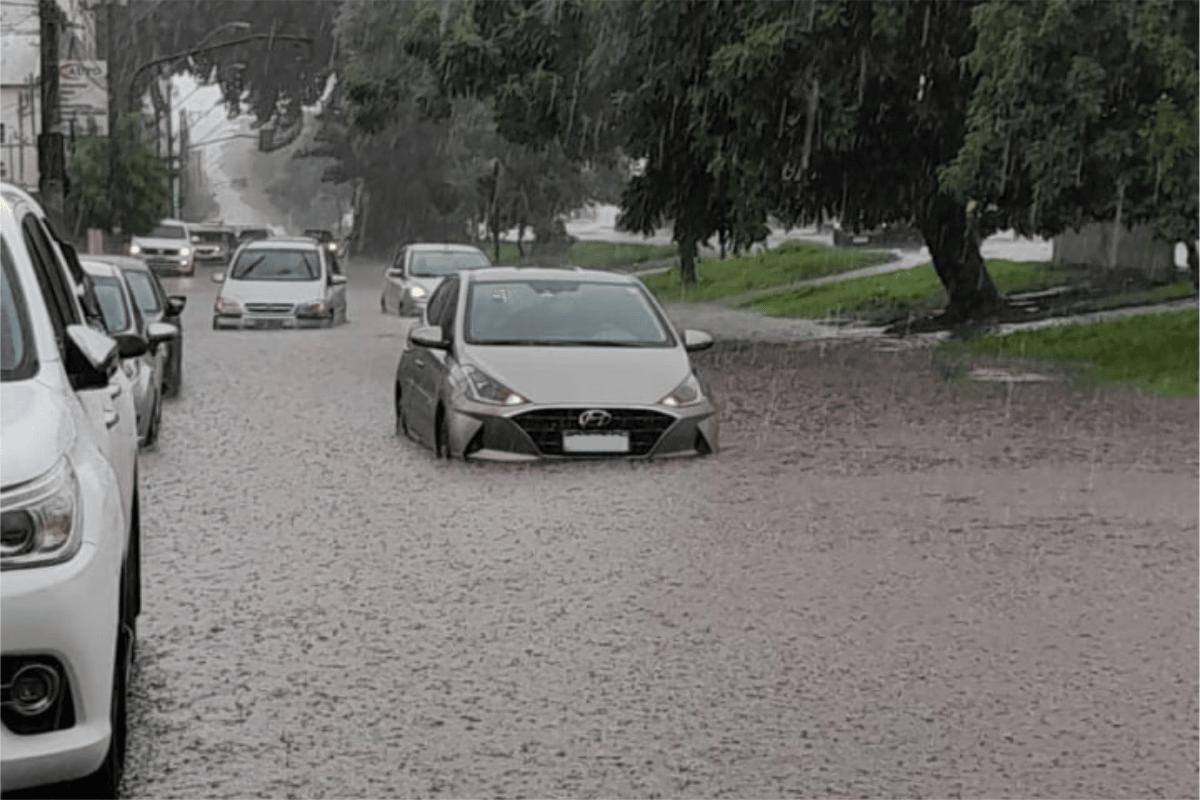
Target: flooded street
column 886, row 584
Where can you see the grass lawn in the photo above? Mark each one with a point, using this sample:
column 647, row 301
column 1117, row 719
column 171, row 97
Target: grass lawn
column 1179, row 290
column 593, row 255
column 791, row 262
column 882, row 298
column 1155, row 352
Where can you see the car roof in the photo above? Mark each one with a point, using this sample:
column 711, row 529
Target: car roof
column 124, row 262
column 99, row 269
column 548, row 274
column 429, row 247
column 283, row 243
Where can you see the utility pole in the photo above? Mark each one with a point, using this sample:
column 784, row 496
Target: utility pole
column 114, row 118
column 52, row 168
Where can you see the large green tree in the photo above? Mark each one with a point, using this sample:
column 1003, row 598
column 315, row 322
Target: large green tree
column 848, row 110
column 1084, row 111
column 144, row 199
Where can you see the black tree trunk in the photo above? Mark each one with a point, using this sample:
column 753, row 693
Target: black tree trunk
column 954, row 248
column 1193, row 262
column 687, row 261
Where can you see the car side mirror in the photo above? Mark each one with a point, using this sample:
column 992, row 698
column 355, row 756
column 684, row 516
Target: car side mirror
column 218, row 277
column 695, row 341
column 430, row 336
column 161, row 332
column 91, row 357
column 395, row 272
column 175, row 304
column 337, row 280
column 131, row 345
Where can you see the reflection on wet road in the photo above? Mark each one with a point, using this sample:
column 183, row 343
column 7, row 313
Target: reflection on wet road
column 885, row 585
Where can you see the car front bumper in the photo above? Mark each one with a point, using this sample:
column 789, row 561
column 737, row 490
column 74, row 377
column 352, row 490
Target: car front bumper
column 66, row 611
column 534, row 432
column 274, row 322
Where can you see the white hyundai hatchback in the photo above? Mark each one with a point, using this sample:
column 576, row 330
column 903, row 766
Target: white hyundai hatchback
column 69, row 536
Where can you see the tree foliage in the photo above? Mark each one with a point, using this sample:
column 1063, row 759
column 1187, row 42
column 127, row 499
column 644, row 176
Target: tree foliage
column 1084, row 111
column 143, row 198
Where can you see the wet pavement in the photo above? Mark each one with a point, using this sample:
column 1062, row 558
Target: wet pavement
column 886, row 584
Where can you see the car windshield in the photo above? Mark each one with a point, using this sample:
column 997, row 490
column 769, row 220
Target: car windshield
column 254, row 233
column 215, row 237
column 141, row 284
column 112, row 303
column 436, row 265
column 320, row 236
column 16, row 351
column 168, row 232
column 277, row 265
column 563, row 313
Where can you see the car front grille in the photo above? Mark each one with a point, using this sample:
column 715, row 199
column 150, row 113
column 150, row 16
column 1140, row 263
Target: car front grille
column 546, row 426
column 269, row 308
column 158, row 251
column 165, row 263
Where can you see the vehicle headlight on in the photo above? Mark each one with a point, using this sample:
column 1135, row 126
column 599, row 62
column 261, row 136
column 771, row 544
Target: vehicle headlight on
column 687, row 393
column 134, row 249
column 332, row 245
column 41, row 521
column 416, row 292
column 317, row 308
column 185, row 251
column 225, row 305
column 487, row 389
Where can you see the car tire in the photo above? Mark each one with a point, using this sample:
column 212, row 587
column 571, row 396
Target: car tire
column 215, row 323
column 105, row 782
column 401, row 422
column 382, row 305
column 155, row 422
column 442, row 435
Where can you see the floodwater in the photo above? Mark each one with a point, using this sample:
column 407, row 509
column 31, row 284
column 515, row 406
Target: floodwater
column 888, row 583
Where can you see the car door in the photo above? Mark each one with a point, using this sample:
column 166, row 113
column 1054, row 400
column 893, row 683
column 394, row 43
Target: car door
column 393, row 282
column 110, row 409
column 427, row 365
column 337, row 290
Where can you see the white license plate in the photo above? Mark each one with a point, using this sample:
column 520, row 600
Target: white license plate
column 270, row 323
column 595, row 442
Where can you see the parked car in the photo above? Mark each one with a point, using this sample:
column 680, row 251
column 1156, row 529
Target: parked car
column 517, row 364
column 70, row 543
column 324, row 237
column 156, row 306
column 418, row 269
column 143, row 364
column 280, row 283
column 251, row 233
column 167, row 249
column 211, row 245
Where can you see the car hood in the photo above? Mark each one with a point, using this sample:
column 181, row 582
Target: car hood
column 586, row 375
column 273, row 291
column 161, row 244
column 36, row 428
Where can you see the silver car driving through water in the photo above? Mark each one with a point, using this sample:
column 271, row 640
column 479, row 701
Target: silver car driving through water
column 281, row 283
column 517, row 364
column 417, row 270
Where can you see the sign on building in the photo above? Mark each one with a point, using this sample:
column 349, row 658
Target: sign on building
column 83, row 93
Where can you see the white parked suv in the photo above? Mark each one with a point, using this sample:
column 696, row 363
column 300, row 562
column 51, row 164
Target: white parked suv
column 69, row 545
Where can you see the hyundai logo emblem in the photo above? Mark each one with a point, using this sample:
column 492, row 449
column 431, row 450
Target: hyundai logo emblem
column 594, row 418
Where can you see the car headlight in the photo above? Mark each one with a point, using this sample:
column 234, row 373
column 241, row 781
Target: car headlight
column 332, row 245
column 41, row 522
column 184, row 251
column 687, row 393
column 317, row 308
column 416, row 292
column 225, row 305
column 487, row 389
column 134, row 249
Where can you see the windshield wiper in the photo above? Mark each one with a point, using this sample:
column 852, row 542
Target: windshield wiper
column 249, row 268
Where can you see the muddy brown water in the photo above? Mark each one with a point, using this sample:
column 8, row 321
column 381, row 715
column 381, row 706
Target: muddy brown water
column 888, row 583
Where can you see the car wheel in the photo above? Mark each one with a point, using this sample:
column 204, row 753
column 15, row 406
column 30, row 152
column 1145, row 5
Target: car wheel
column 401, row 422
column 442, row 437
column 133, row 605
column 155, row 421
column 214, row 323
column 382, row 305
column 105, row 782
